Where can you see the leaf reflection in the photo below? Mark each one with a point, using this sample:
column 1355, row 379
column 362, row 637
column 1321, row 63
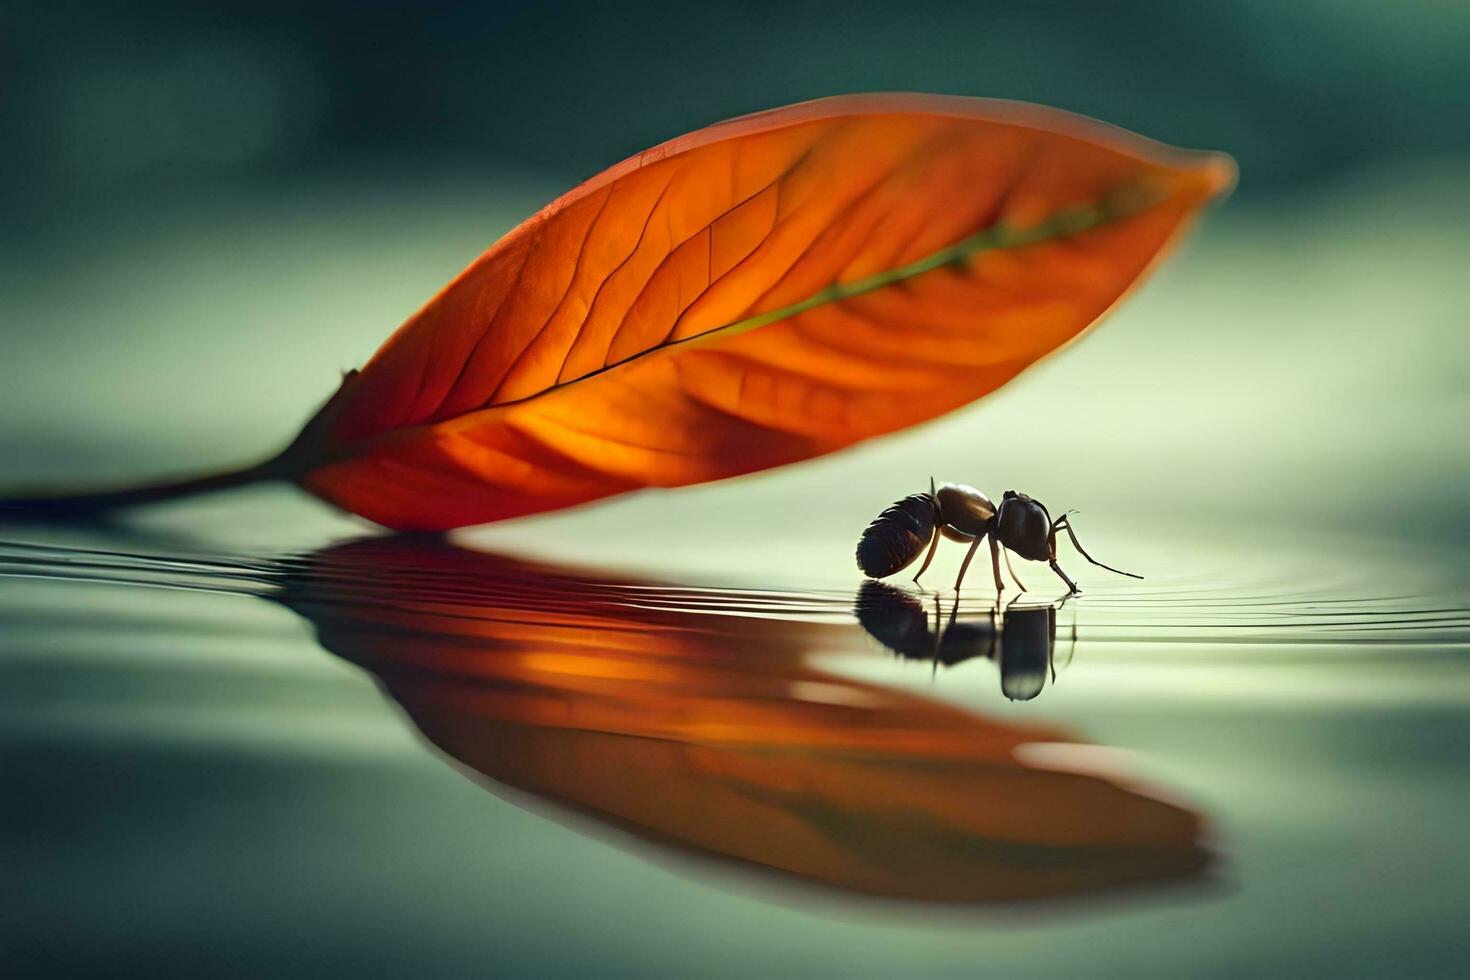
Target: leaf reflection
column 696, row 720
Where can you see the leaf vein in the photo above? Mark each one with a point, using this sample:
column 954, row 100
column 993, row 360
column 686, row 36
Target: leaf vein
column 592, row 307
column 576, row 270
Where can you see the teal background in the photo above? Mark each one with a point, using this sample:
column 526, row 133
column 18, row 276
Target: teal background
column 153, row 100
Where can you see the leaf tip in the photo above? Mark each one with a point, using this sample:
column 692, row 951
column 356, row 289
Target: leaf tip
column 1217, row 174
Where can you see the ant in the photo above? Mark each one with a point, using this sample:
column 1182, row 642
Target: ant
column 962, row 513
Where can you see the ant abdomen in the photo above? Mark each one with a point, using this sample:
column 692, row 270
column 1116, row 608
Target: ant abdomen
column 897, row 536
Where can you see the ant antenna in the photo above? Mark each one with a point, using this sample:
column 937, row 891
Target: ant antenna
column 1066, row 525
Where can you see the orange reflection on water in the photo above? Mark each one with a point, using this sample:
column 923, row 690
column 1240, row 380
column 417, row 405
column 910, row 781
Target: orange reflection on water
column 677, row 715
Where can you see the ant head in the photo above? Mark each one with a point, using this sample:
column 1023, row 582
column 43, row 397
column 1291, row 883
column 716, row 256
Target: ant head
column 1024, row 526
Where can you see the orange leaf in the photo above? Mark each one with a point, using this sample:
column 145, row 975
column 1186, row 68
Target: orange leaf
column 673, row 715
column 759, row 292
column 756, row 293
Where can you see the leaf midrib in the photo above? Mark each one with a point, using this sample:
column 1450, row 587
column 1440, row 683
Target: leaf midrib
column 1116, row 205
column 1123, row 202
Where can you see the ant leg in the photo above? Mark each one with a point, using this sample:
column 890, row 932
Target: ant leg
column 933, row 547
column 1051, row 642
column 1005, row 610
column 1067, row 525
column 1000, row 585
column 938, row 636
column 1072, row 650
column 965, row 566
column 1070, row 584
column 1013, row 572
column 996, row 625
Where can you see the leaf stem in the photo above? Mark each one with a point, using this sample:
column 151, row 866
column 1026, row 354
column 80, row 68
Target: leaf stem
column 80, row 505
column 287, row 465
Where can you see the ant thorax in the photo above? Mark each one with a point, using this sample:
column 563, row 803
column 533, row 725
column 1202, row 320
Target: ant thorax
column 964, row 509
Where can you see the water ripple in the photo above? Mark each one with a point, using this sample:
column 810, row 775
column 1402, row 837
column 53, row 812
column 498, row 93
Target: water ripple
column 1178, row 610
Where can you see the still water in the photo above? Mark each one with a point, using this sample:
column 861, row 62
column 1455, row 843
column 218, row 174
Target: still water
column 407, row 755
column 676, row 735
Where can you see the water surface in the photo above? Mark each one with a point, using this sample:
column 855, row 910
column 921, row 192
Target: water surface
column 671, row 735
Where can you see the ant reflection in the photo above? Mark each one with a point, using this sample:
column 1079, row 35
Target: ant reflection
column 1020, row 640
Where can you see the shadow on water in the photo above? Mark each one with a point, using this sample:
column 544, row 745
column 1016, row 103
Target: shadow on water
column 700, row 722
